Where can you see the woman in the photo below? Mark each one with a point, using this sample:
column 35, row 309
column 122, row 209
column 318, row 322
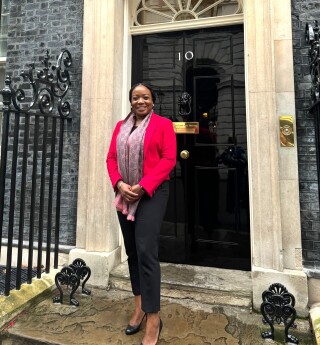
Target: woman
column 141, row 155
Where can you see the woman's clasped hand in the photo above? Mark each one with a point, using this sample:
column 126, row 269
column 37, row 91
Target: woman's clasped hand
column 130, row 193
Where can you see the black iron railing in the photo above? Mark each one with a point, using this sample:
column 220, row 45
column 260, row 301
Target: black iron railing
column 312, row 38
column 33, row 123
column 278, row 308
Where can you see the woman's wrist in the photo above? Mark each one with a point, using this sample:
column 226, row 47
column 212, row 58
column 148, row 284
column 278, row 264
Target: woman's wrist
column 142, row 188
column 119, row 184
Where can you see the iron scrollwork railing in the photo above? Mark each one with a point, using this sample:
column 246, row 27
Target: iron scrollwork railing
column 278, row 307
column 71, row 276
column 31, row 114
column 312, row 38
column 46, row 87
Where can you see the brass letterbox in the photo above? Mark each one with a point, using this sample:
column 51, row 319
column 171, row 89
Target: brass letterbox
column 186, row 127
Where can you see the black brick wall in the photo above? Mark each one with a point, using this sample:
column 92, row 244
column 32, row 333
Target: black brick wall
column 37, row 26
column 304, row 11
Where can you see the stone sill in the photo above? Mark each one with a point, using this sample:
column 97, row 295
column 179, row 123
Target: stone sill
column 19, row 300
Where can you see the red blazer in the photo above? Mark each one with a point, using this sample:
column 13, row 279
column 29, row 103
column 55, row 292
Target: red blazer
column 160, row 152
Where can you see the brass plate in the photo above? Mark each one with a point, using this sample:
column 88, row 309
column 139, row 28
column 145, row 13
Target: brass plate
column 186, row 127
column 286, row 131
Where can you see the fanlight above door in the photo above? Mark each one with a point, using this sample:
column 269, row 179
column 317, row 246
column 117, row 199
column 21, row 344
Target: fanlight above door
column 164, row 11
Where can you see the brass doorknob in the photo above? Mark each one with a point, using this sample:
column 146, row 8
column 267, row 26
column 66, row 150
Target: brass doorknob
column 184, row 154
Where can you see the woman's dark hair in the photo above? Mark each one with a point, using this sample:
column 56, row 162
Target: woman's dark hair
column 153, row 94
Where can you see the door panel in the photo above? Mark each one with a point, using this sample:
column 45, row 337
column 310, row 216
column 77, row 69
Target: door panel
column 207, row 219
column 152, row 51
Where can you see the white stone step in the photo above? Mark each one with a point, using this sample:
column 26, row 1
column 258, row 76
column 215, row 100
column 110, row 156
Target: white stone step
column 201, row 284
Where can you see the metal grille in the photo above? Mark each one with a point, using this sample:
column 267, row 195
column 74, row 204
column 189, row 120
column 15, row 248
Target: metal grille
column 23, row 273
column 33, row 123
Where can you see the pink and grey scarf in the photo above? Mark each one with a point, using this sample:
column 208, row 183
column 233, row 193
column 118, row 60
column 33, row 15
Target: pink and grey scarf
column 130, row 160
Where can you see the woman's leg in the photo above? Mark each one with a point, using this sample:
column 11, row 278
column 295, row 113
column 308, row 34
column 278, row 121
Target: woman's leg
column 149, row 218
column 128, row 232
column 148, row 222
column 153, row 329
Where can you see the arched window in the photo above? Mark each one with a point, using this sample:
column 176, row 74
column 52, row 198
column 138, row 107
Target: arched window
column 166, row 11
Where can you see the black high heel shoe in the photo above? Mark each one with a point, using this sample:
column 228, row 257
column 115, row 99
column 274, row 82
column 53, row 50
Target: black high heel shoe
column 134, row 329
column 160, row 329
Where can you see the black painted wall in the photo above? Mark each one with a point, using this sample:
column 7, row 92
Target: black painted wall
column 35, row 27
column 304, row 11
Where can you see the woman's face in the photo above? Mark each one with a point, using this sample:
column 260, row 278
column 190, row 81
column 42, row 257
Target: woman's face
column 141, row 100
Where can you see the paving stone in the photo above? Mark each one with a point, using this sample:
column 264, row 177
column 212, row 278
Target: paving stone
column 101, row 318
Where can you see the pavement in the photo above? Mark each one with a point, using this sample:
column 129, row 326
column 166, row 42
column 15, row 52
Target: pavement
column 101, row 318
column 198, row 306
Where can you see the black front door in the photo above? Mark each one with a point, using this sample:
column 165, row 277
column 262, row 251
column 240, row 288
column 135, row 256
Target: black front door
column 207, row 219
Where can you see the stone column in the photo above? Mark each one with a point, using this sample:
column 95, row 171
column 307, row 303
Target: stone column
column 97, row 226
column 273, row 170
